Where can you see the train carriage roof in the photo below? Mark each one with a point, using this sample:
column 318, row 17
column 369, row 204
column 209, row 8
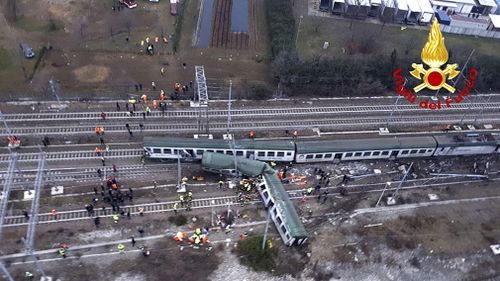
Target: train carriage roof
column 218, row 143
column 219, row 161
column 254, row 168
column 467, row 140
column 345, row 145
column 282, row 201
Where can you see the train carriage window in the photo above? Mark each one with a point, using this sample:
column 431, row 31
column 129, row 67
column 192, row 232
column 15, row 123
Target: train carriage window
column 357, row 154
column 348, row 154
column 229, row 152
column 275, row 212
column 365, row 154
column 421, row 151
column 281, row 154
column 318, row 156
column 404, row 152
column 376, row 153
column 288, row 154
column 261, row 153
column 167, row 151
column 266, row 195
column 279, row 220
column 309, row 156
column 220, row 151
column 175, row 151
column 271, row 204
column 338, row 156
column 283, row 229
column 385, row 153
column 210, row 150
column 156, row 150
column 328, row 155
column 429, row 150
column 414, row 151
column 239, row 153
column 270, row 153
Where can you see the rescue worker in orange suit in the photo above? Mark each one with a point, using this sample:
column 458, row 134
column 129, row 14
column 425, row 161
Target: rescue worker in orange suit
column 179, row 237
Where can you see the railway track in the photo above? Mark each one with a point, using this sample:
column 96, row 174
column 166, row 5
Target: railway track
column 89, row 174
column 211, row 202
column 246, row 112
column 74, row 155
column 245, row 125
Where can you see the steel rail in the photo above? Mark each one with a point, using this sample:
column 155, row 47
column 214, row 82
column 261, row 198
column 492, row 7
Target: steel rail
column 75, row 155
column 244, row 112
column 87, row 176
column 210, row 202
column 341, row 122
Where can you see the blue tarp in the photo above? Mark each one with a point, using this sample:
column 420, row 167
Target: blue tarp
column 443, row 18
column 239, row 16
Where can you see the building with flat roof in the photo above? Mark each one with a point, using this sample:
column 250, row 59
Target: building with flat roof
column 494, row 22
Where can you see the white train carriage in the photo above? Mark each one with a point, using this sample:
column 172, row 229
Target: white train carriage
column 468, row 144
column 362, row 149
column 185, row 148
column 281, row 209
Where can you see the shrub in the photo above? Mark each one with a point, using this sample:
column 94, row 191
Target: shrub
column 252, row 254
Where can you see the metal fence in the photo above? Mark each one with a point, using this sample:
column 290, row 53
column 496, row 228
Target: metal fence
column 470, row 31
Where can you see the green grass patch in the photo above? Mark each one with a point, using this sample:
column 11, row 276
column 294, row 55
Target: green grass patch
column 251, row 253
column 5, row 59
column 281, row 26
column 343, row 33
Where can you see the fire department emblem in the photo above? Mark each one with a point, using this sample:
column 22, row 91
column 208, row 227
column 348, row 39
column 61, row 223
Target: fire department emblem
column 434, row 55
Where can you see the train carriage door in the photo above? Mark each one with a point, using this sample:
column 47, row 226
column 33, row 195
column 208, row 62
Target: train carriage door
column 394, row 154
column 251, row 154
column 337, row 157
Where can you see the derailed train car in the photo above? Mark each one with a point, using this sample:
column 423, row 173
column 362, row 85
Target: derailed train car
column 274, row 195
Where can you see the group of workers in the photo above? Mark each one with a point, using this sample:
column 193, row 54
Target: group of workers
column 323, row 180
column 199, row 237
column 246, row 190
column 186, row 201
column 149, row 43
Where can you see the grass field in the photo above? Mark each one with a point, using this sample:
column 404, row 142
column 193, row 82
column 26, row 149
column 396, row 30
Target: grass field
column 339, row 32
column 32, row 24
column 5, row 61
